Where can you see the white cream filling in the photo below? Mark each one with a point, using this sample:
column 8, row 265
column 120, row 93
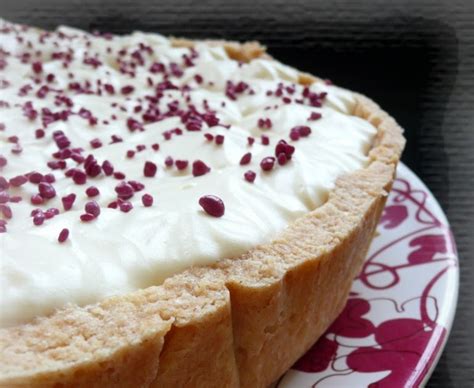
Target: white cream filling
column 122, row 252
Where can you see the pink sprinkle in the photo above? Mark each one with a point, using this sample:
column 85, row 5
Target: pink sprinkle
column 250, row 176
column 155, row 146
column 86, row 217
column 200, row 168
column 149, row 169
column 169, row 161
column 147, row 200
column 126, row 206
column 246, row 159
column 3, row 161
column 92, row 191
column 250, row 140
column 219, row 139
column 68, row 201
column 265, row 140
column 209, row 136
column 46, row 190
column 18, row 180
column 92, row 207
column 181, row 164
column 112, row 205
column 36, row 199
column 63, row 235
column 212, row 205
column 267, row 163
column 130, row 154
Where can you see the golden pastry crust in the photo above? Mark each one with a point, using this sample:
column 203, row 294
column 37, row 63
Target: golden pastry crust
column 241, row 322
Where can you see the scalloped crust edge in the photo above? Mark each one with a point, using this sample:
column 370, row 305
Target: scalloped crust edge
column 241, row 322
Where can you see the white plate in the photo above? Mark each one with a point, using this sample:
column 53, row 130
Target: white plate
column 396, row 322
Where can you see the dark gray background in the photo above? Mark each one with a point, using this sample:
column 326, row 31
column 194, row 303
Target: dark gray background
column 416, row 58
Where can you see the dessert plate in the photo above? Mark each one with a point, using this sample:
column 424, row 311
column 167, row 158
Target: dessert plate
column 401, row 307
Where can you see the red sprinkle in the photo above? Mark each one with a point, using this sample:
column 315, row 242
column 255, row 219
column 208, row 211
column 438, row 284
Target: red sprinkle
column 63, row 235
column 149, row 170
column 79, row 177
column 124, row 190
column 212, row 205
column 314, row 116
column 86, row 217
column 181, row 164
column 37, row 67
column 246, row 159
column 219, row 139
column 39, row 133
column 37, row 199
column 46, row 190
column 35, row 177
column 169, row 161
column 147, row 200
column 282, row 159
column 250, row 140
column 68, row 201
column 209, row 136
column 92, row 207
column 126, row 206
column 265, row 140
column 107, row 168
column 200, row 168
column 95, row 143
column 38, row 219
column 267, row 163
column 127, row 89
column 18, row 180
column 250, row 176
column 92, row 191
column 49, row 178
column 6, row 211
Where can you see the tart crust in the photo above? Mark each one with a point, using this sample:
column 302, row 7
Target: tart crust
column 241, row 322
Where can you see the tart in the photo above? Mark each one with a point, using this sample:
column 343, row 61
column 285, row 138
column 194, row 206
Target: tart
column 176, row 212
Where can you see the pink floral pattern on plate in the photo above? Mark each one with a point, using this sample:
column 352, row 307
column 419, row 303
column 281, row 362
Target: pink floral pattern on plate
column 396, row 321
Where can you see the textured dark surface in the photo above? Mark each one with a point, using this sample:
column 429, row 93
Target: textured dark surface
column 416, row 58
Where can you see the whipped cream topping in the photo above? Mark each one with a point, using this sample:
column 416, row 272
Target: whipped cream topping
column 148, row 108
